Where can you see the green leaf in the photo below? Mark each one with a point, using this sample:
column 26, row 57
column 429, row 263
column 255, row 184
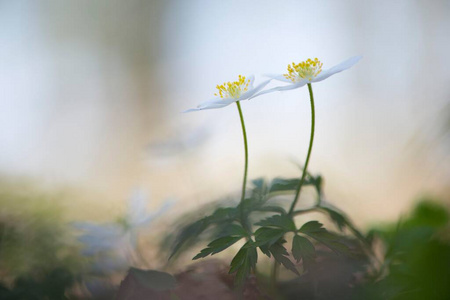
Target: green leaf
column 315, row 230
column 244, row 261
column 238, row 259
column 265, row 249
column 223, row 214
column 280, row 221
column 217, row 246
column 316, row 182
column 283, row 184
column 343, row 221
column 268, row 236
column 221, row 217
column 259, row 184
column 156, row 280
column 336, row 217
column 188, row 233
column 282, row 256
column 234, row 230
column 311, row 226
column 302, row 248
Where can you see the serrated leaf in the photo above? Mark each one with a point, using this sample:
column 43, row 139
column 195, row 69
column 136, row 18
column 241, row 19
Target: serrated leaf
column 242, row 272
column 343, row 221
column 302, row 248
column 244, row 261
column 265, row 250
column 222, row 216
column 336, row 217
column 311, row 226
column 156, row 280
column 315, row 230
column 203, row 253
column 280, row 221
column 280, row 254
column 217, row 246
column 238, row 260
column 268, row 236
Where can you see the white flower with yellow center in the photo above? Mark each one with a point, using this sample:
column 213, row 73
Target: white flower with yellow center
column 307, row 71
column 230, row 92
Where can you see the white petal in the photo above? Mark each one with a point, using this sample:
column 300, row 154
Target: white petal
column 251, row 92
column 278, row 77
column 213, row 103
column 338, row 68
column 283, row 88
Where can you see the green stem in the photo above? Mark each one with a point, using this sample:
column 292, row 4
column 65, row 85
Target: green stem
column 297, row 194
column 274, row 277
column 304, row 211
column 244, row 183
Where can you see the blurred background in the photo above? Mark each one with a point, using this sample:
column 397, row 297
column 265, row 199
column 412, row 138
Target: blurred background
column 92, row 94
column 91, row 102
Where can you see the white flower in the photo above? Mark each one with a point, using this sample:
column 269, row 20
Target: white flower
column 118, row 239
column 230, row 92
column 308, row 71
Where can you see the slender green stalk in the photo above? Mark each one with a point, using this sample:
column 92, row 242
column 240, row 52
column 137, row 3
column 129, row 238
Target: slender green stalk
column 273, row 277
column 244, row 183
column 304, row 211
column 302, row 180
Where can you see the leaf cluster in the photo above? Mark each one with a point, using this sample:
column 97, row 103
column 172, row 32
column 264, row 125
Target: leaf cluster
column 233, row 224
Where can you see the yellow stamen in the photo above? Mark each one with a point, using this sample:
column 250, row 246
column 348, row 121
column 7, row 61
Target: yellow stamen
column 308, row 69
column 233, row 89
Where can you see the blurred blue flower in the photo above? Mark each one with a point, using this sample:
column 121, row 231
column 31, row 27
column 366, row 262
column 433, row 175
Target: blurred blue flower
column 113, row 244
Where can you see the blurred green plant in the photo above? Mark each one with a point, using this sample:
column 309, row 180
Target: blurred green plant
column 34, row 235
column 416, row 257
column 35, row 245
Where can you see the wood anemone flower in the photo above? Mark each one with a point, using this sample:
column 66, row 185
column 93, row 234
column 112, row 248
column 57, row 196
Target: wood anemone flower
column 305, row 72
column 231, row 92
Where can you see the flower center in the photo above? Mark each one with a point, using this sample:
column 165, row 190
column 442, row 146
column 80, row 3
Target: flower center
column 306, row 69
column 233, row 89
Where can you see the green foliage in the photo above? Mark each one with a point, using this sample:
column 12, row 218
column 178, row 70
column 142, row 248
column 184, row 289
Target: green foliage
column 343, row 222
column 284, row 222
column 416, row 263
column 315, row 230
column 227, row 225
column 34, row 239
column 218, row 245
column 221, row 218
column 281, row 256
column 303, row 249
column 244, row 262
column 52, row 286
column 266, row 236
